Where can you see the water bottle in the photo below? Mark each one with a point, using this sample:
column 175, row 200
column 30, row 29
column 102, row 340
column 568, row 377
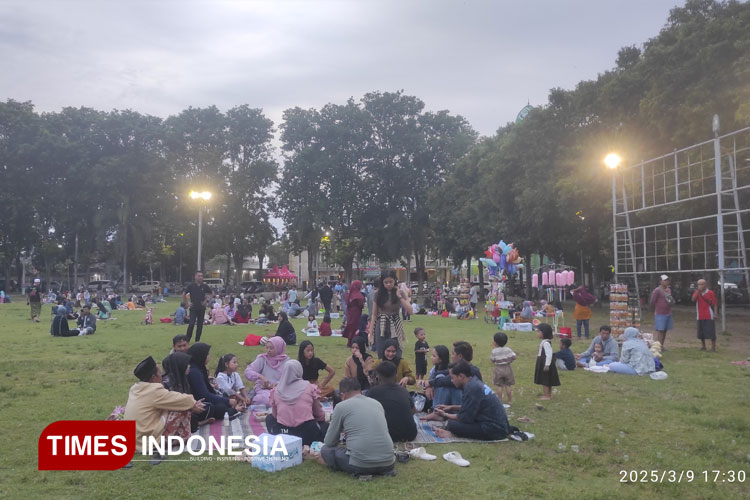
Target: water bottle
column 236, row 427
column 226, row 423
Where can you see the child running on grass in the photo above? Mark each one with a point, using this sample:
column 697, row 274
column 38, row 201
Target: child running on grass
column 502, row 357
column 545, row 373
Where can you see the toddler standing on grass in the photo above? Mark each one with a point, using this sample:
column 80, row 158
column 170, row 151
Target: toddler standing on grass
column 502, row 357
column 545, row 373
column 421, row 348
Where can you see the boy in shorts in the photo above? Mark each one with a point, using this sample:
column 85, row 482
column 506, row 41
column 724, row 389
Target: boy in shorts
column 502, row 357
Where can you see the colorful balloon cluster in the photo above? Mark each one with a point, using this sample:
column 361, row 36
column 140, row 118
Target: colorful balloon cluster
column 502, row 260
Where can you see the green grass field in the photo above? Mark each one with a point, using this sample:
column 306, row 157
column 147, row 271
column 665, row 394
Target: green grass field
column 696, row 420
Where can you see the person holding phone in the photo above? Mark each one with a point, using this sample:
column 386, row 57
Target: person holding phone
column 385, row 322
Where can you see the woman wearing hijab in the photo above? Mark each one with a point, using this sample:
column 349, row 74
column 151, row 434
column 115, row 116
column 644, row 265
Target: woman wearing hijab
column 219, row 316
column 360, row 364
column 266, row 370
column 355, row 302
column 404, row 375
column 201, row 388
column 244, row 311
column 582, row 312
column 295, row 406
column 286, row 330
column 176, row 367
column 59, row 326
column 636, row 359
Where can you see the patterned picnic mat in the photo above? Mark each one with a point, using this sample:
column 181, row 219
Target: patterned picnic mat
column 426, row 434
column 250, row 425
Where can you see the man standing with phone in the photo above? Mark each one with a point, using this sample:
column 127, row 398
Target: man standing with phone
column 705, row 309
column 197, row 291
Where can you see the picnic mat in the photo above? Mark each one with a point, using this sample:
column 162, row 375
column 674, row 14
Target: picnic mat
column 426, row 434
column 249, row 425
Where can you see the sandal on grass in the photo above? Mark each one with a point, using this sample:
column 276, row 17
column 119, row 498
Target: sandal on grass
column 421, row 454
column 455, row 457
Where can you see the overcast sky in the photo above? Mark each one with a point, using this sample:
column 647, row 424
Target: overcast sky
column 481, row 59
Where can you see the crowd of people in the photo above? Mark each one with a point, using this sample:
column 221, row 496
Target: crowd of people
column 373, row 406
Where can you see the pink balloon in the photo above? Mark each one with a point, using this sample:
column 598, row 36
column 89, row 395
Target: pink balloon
column 545, row 279
column 534, row 281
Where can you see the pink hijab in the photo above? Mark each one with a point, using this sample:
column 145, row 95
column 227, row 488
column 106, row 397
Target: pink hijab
column 279, row 347
column 291, row 386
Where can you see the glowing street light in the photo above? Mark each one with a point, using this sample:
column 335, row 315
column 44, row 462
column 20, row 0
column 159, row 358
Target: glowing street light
column 203, row 197
column 612, row 160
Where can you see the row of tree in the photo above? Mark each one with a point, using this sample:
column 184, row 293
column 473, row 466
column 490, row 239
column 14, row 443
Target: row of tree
column 380, row 175
column 100, row 185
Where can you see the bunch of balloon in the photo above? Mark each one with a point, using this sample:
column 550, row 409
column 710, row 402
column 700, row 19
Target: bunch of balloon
column 502, row 260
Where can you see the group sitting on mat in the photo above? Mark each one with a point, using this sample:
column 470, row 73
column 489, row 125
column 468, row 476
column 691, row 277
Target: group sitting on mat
column 372, row 406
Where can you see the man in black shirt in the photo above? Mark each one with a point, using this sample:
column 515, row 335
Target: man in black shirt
column 398, row 405
column 197, row 292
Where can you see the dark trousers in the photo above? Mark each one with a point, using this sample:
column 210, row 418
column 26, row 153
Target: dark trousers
column 196, row 316
column 68, row 333
column 474, row 431
column 336, row 458
column 309, row 431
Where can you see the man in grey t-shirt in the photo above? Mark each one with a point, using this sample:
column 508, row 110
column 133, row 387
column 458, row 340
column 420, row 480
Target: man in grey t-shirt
column 369, row 449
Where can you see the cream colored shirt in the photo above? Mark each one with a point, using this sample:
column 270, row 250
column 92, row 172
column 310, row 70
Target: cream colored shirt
column 148, row 404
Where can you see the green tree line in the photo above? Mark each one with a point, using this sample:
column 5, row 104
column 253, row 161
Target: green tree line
column 382, row 175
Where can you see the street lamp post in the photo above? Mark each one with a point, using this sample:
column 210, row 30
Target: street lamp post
column 612, row 161
column 203, row 197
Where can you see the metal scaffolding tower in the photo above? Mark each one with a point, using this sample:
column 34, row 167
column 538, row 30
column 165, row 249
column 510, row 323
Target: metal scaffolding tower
column 687, row 211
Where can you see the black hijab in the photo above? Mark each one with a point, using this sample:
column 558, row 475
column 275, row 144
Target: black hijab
column 199, row 354
column 285, row 329
column 360, row 342
column 175, row 366
column 386, row 345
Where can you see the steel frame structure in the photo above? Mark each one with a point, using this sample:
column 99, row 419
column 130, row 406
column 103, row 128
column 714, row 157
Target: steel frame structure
column 686, row 211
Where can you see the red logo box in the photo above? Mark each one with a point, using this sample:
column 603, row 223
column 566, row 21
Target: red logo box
column 87, row 445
